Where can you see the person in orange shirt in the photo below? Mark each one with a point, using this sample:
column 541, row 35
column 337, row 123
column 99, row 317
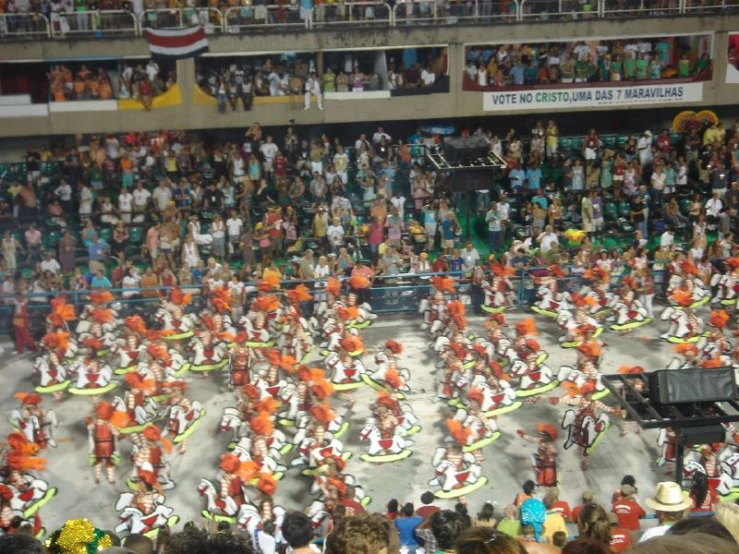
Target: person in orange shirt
column 527, row 493
column 93, row 89
column 106, row 92
column 560, row 506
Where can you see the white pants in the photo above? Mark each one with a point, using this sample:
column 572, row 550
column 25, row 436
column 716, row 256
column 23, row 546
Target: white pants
column 319, row 100
column 647, row 300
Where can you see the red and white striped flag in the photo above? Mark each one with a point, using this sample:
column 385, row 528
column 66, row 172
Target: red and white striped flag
column 177, row 43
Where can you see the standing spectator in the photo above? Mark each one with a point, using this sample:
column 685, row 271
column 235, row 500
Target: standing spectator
column 495, row 227
column 470, row 256
column 313, row 87
column 406, row 525
column 23, row 339
column 162, row 196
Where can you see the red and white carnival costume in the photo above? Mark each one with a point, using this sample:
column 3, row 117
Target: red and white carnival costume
column 149, row 458
column 104, row 430
column 131, row 349
column 684, row 326
column 549, row 298
column 586, row 369
column 434, row 307
column 183, row 415
column 499, row 292
column 36, row 424
column 544, row 460
column 172, row 317
column 573, row 322
column 727, row 283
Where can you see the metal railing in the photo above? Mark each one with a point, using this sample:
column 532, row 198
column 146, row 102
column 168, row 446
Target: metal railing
column 246, row 18
column 94, row 24
column 362, row 13
column 352, row 13
column 19, row 26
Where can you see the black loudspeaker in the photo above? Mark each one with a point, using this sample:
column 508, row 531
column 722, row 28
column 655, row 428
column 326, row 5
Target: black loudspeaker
column 458, row 150
column 706, row 434
column 679, row 386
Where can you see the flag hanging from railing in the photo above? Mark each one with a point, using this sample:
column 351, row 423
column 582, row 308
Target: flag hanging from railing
column 177, row 43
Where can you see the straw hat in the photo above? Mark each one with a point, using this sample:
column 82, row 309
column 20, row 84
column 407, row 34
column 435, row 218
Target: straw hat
column 668, row 498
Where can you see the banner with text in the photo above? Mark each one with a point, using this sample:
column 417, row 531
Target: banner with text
column 592, row 97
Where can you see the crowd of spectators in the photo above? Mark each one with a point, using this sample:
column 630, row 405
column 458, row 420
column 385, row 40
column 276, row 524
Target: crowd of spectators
column 533, row 523
column 593, row 61
column 141, row 82
column 164, row 208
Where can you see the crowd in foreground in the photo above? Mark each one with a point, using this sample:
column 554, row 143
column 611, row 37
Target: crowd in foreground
column 528, row 525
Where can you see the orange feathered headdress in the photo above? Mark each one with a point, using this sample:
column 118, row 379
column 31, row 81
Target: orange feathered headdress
column 393, row 378
column 208, row 321
column 334, row 286
column 458, row 350
column 458, row 432
column 476, row 395
column 136, row 324
column 686, row 349
column 459, row 321
column 497, row 370
column 526, row 327
column 270, row 283
column 158, row 352
column 177, row 384
column 732, row 262
column 322, row 388
column 299, row 294
column 100, row 315
column 176, row 296
column 358, row 282
column 383, row 399
column 267, row 484
column 62, row 310
column 220, row 298
column 93, row 344
column 267, row 303
column 479, row 349
column 153, row 434
column 230, row 463
column 347, row 313
column 688, row 268
column 533, row 345
column 323, row 413
column 578, row 299
column 630, row 370
column 682, row 297
column 445, row 284
column 251, row 391
column 267, row 405
column 547, row 429
column 338, row 484
column 148, row 386
column 394, row 346
column 22, row 455
column 97, row 298
column 590, row 349
column 262, row 424
column 58, row 340
column 28, row 398
column 556, row 271
column 629, row 281
column 352, row 344
column 719, row 319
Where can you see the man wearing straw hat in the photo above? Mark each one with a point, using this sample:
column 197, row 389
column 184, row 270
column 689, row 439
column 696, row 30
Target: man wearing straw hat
column 669, row 504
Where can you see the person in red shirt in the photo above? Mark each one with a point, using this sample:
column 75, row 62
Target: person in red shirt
column 703, row 496
column 428, row 509
column 620, row 538
column 353, row 508
column 627, row 510
column 560, row 506
column 393, row 509
column 587, row 499
column 627, row 480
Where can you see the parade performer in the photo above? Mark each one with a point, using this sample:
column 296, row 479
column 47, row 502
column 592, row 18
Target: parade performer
column 99, row 300
column 584, row 425
column 498, row 396
column 599, row 284
column 500, row 292
column 327, row 307
column 550, row 299
column 535, row 377
column 434, row 307
column 144, row 512
column 272, row 384
column 220, row 301
column 137, row 402
column 104, row 431
column 317, row 444
column 36, row 424
column 716, row 343
column 525, row 330
column 241, row 362
column 364, row 315
column 691, row 357
column 628, row 312
column 545, row 458
column 685, row 325
column 457, row 473
column 55, row 377
column 453, row 367
column 727, row 284
column 172, row 317
column 387, row 376
column 183, row 416
column 586, row 370
column 382, row 431
column 686, row 279
column 210, row 346
column 93, row 377
column 295, row 339
column 573, row 323
column 345, row 366
column 102, row 328
column 131, row 349
column 471, row 428
column 496, row 338
column 60, row 316
column 150, row 464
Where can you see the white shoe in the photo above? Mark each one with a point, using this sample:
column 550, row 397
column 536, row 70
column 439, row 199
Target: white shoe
column 306, row 108
column 320, row 108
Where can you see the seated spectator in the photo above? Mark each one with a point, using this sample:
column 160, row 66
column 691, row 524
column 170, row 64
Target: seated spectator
column 297, row 530
column 359, row 535
column 669, row 504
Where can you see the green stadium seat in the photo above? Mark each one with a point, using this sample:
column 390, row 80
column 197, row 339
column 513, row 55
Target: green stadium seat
column 51, row 239
column 610, row 211
column 106, row 234
column 565, row 143
column 624, row 208
column 621, row 141
column 136, row 235
column 684, row 204
column 577, row 143
column 609, row 140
